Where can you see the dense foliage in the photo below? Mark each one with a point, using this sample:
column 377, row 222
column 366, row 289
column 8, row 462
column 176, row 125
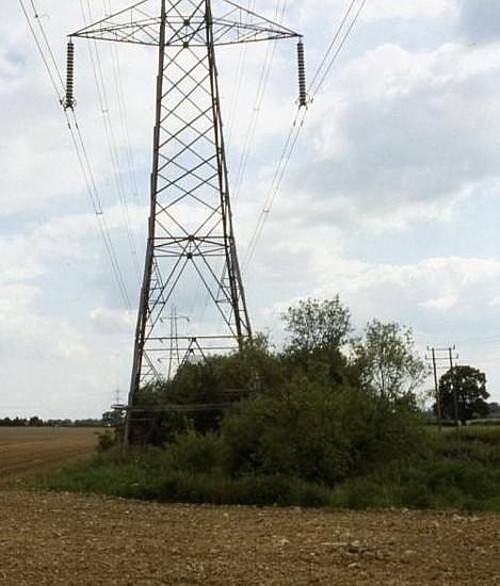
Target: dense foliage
column 312, row 424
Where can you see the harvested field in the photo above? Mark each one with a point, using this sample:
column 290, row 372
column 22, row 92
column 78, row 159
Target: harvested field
column 27, row 450
column 72, row 539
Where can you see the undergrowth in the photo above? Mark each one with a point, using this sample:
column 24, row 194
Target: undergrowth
column 459, row 470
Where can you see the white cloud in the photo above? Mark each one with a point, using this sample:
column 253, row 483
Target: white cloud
column 409, row 9
column 410, row 133
column 440, row 303
column 110, row 321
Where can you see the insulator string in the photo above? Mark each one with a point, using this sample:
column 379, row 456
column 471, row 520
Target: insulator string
column 302, row 74
column 69, row 99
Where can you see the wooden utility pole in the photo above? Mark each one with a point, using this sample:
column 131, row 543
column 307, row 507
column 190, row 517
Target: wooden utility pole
column 435, row 358
column 454, row 390
column 436, row 389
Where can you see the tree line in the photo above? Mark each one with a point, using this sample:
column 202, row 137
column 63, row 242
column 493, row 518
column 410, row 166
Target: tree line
column 36, row 421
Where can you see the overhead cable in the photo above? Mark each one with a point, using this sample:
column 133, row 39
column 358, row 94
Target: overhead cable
column 342, row 32
column 54, row 74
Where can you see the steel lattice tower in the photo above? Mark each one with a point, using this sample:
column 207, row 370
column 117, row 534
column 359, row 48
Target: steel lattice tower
column 191, row 247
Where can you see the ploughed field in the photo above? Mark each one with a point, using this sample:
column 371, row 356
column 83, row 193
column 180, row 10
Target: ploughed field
column 27, row 450
column 65, row 539
column 72, row 539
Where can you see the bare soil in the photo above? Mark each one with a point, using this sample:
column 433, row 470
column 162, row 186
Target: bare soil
column 70, row 539
column 28, row 450
column 79, row 539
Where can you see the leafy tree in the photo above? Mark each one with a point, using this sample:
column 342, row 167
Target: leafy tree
column 388, row 362
column 316, row 324
column 318, row 331
column 469, row 384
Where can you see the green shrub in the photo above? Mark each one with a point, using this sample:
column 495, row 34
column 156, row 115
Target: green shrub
column 318, row 433
column 106, row 440
column 194, row 452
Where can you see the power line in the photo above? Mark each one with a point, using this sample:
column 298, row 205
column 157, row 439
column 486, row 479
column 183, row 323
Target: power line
column 41, row 52
column 332, row 44
column 314, row 91
column 37, row 17
column 79, row 146
column 298, row 123
column 259, row 98
column 110, row 136
column 239, row 75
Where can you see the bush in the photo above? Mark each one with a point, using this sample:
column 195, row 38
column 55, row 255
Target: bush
column 194, row 452
column 317, row 433
column 106, row 440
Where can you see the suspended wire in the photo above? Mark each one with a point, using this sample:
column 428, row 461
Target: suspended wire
column 240, row 68
column 110, row 135
column 325, row 74
column 318, row 81
column 53, row 81
column 122, row 107
column 276, row 182
column 37, row 17
column 80, row 149
column 103, row 227
column 332, row 44
column 279, row 15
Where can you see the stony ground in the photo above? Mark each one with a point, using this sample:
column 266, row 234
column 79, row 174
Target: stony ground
column 78, row 540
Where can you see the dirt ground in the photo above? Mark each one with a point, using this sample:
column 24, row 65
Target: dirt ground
column 27, row 450
column 69, row 539
column 78, row 540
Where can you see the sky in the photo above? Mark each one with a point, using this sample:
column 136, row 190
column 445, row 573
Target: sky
column 390, row 198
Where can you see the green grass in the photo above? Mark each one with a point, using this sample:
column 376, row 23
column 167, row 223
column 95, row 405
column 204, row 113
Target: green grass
column 459, row 469
column 147, row 476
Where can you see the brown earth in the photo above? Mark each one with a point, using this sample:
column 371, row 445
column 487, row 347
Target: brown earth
column 69, row 539
column 27, row 450
column 56, row 539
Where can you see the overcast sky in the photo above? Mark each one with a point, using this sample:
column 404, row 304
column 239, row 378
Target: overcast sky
column 390, row 199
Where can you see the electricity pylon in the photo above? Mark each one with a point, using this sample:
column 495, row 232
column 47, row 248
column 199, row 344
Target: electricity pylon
column 191, row 260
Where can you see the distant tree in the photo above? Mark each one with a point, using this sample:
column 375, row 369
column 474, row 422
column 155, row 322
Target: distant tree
column 112, row 418
column 318, row 324
column 469, row 384
column 388, row 362
column 35, row 421
column 494, row 410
